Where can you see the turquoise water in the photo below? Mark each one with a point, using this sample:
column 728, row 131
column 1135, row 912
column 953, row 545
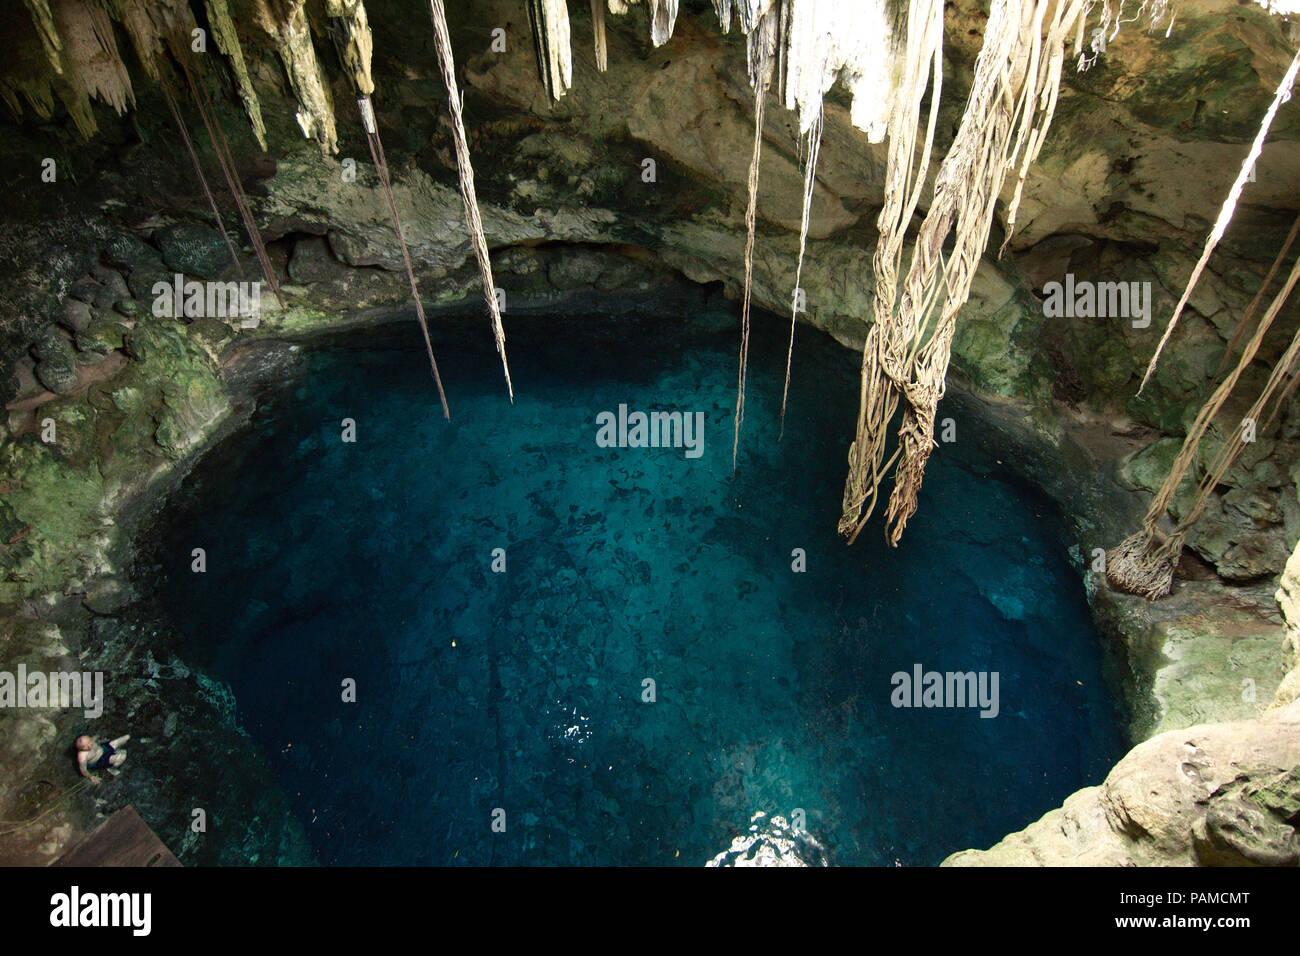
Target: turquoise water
column 517, row 698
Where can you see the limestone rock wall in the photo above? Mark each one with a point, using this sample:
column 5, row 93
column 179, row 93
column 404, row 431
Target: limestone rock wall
column 1213, row 794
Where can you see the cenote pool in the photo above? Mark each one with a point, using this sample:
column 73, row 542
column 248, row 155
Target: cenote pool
column 372, row 561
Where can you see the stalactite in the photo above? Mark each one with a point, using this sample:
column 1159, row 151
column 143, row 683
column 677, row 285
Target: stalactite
column 142, row 19
column 1225, row 214
column 723, row 9
column 550, row 23
column 198, row 169
column 48, row 32
column 10, row 95
column 181, row 52
column 27, row 71
column 288, row 25
column 819, row 42
column 227, row 38
column 750, row 12
column 36, row 90
column 356, row 45
column 848, row 41
column 762, row 41
column 92, row 65
column 598, row 34
column 663, row 18
column 1249, row 314
column 466, row 172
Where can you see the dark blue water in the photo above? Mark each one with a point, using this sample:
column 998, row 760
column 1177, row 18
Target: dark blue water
column 523, row 691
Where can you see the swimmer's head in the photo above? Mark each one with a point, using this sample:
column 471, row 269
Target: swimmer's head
column 84, row 742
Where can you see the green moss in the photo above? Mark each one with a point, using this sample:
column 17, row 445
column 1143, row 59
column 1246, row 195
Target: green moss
column 59, row 496
column 55, row 508
column 192, row 401
column 74, row 429
column 101, row 337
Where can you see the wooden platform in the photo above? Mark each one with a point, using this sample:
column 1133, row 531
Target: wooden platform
column 122, row 840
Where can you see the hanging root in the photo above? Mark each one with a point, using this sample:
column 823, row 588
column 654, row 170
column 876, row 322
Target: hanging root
column 908, row 348
column 1140, row 566
column 1259, row 295
column 179, row 45
column 198, row 170
column 884, row 351
column 381, row 166
column 1225, row 214
column 761, row 42
column 466, row 173
column 809, row 183
column 1140, row 570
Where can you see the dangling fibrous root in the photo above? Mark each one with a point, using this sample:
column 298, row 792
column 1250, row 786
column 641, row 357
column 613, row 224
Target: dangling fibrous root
column 1259, row 295
column 198, row 170
column 809, row 182
column 884, row 351
column 761, row 42
column 381, row 166
column 908, row 347
column 181, row 51
column 1229, row 207
column 1140, row 566
column 475, row 223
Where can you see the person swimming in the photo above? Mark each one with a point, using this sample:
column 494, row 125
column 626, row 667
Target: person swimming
column 93, row 755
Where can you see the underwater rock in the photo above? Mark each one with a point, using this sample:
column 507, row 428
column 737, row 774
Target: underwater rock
column 771, row 843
